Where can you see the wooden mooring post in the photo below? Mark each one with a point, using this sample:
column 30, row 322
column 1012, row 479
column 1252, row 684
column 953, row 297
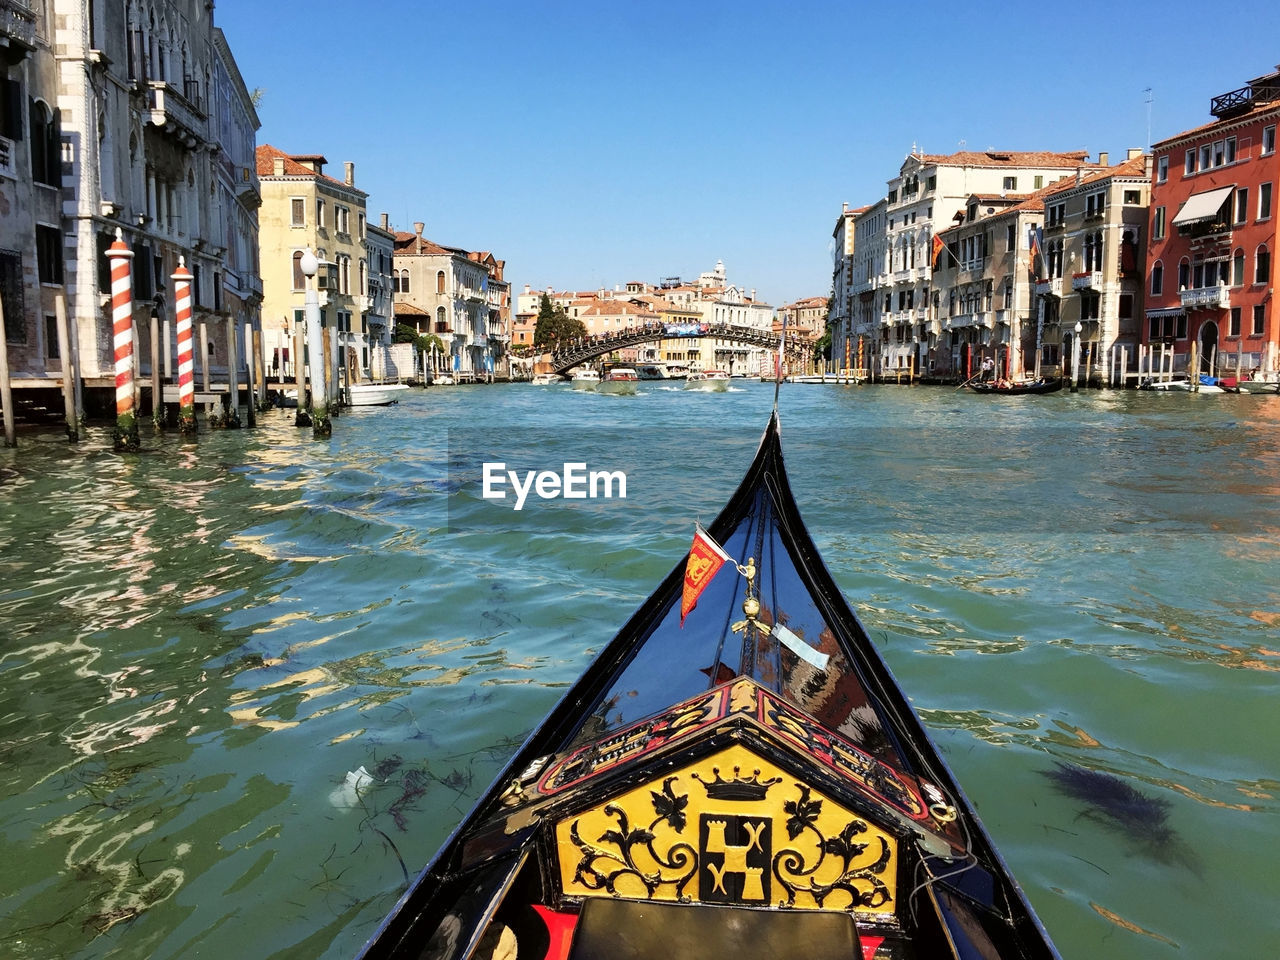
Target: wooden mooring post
column 125, row 438
column 186, row 357
column 69, row 373
column 6, row 388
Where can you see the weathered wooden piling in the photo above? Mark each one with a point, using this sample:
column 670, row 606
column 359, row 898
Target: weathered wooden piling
column 6, row 389
column 186, row 360
column 301, row 417
column 157, row 386
column 126, row 433
column 69, row 372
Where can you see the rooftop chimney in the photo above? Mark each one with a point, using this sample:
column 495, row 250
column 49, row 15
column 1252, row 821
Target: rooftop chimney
column 1103, row 159
column 844, row 207
column 386, row 222
column 1133, row 152
column 418, row 227
column 350, row 179
column 277, row 166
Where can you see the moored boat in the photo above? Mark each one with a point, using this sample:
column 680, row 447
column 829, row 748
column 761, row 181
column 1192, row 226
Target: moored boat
column 1259, row 385
column 620, row 381
column 736, row 774
column 376, row 394
column 711, row 381
column 547, row 379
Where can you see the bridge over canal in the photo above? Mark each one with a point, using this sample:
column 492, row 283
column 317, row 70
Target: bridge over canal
column 578, row 352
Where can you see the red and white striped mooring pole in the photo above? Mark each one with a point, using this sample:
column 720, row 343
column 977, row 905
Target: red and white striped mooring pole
column 186, row 362
column 126, row 435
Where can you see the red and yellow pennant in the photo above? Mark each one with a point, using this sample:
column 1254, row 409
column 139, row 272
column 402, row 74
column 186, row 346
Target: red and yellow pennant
column 706, row 557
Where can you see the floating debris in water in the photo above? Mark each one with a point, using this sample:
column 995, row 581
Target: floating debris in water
column 1143, row 819
column 347, row 795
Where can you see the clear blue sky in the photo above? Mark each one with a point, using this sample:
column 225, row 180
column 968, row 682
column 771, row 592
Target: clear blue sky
column 590, row 144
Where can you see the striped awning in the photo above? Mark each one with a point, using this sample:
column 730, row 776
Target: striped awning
column 1166, row 312
column 1202, row 206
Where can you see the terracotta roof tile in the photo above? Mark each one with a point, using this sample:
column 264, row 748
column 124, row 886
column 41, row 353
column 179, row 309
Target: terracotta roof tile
column 1006, row 158
column 1256, row 110
column 266, row 155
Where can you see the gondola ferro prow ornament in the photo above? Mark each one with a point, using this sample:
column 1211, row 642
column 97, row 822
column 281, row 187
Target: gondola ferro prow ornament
column 751, row 609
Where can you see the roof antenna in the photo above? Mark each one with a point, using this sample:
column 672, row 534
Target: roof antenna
column 1147, row 91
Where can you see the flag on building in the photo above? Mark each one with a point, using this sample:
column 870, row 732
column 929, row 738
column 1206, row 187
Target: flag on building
column 938, row 247
column 706, row 557
column 1034, row 244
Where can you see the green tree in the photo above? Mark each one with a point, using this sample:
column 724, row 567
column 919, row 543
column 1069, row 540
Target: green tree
column 572, row 327
column 546, row 329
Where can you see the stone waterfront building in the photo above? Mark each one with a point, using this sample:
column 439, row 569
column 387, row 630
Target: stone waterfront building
column 1210, row 264
column 305, row 208
column 127, row 117
column 459, row 296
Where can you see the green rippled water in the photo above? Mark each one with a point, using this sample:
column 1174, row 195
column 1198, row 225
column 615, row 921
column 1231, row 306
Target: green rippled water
column 197, row 644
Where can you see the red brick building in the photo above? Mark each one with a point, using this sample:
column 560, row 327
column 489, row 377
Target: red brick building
column 1213, row 233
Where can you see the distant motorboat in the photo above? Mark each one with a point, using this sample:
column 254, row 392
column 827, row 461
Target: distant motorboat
column 651, row 371
column 620, row 381
column 547, row 379
column 710, row 381
column 677, row 371
column 375, row 394
column 586, row 379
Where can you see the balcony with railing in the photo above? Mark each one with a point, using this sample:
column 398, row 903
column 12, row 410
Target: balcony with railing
column 1240, row 101
column 1091, row 280
column 1051, row 287
column 179, row 114
column 1206, row 297
column 17, row 24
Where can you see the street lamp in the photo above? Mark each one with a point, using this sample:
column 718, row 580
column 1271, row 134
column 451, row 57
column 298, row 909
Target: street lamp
column 1075, row 358
column 320, row 425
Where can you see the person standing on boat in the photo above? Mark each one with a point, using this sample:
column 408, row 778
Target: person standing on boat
column 988, row 369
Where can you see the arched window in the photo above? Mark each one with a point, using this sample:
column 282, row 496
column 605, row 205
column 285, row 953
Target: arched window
column 442, row 325
column 440, row 281
column 404, row 280
column 299, row 281
column 1262, row 268
column 46, row 159
column 1157, row 279
column 1184, row 273
column 1237, row 269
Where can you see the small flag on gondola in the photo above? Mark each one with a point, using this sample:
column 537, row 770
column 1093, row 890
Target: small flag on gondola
column 706, row 557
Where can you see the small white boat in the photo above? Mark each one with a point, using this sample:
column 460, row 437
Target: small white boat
column 547, row 379
column 1180, row 384
column 620, row 381
column 442, row 380
column 376, row 394
column 677, row 371
column 1259, row 385
column 711, row 381
column 586, row 379
column 652, row 371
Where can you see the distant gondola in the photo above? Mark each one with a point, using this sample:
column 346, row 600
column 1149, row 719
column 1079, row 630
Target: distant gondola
column 750, row 784
column 1011, row 388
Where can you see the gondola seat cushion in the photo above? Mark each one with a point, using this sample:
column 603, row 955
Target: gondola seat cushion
column 616, row 929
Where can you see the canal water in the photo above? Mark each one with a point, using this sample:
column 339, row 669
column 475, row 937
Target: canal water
column 248, row 686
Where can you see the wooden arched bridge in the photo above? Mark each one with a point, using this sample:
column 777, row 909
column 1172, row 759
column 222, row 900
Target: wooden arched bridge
column 575, row 352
